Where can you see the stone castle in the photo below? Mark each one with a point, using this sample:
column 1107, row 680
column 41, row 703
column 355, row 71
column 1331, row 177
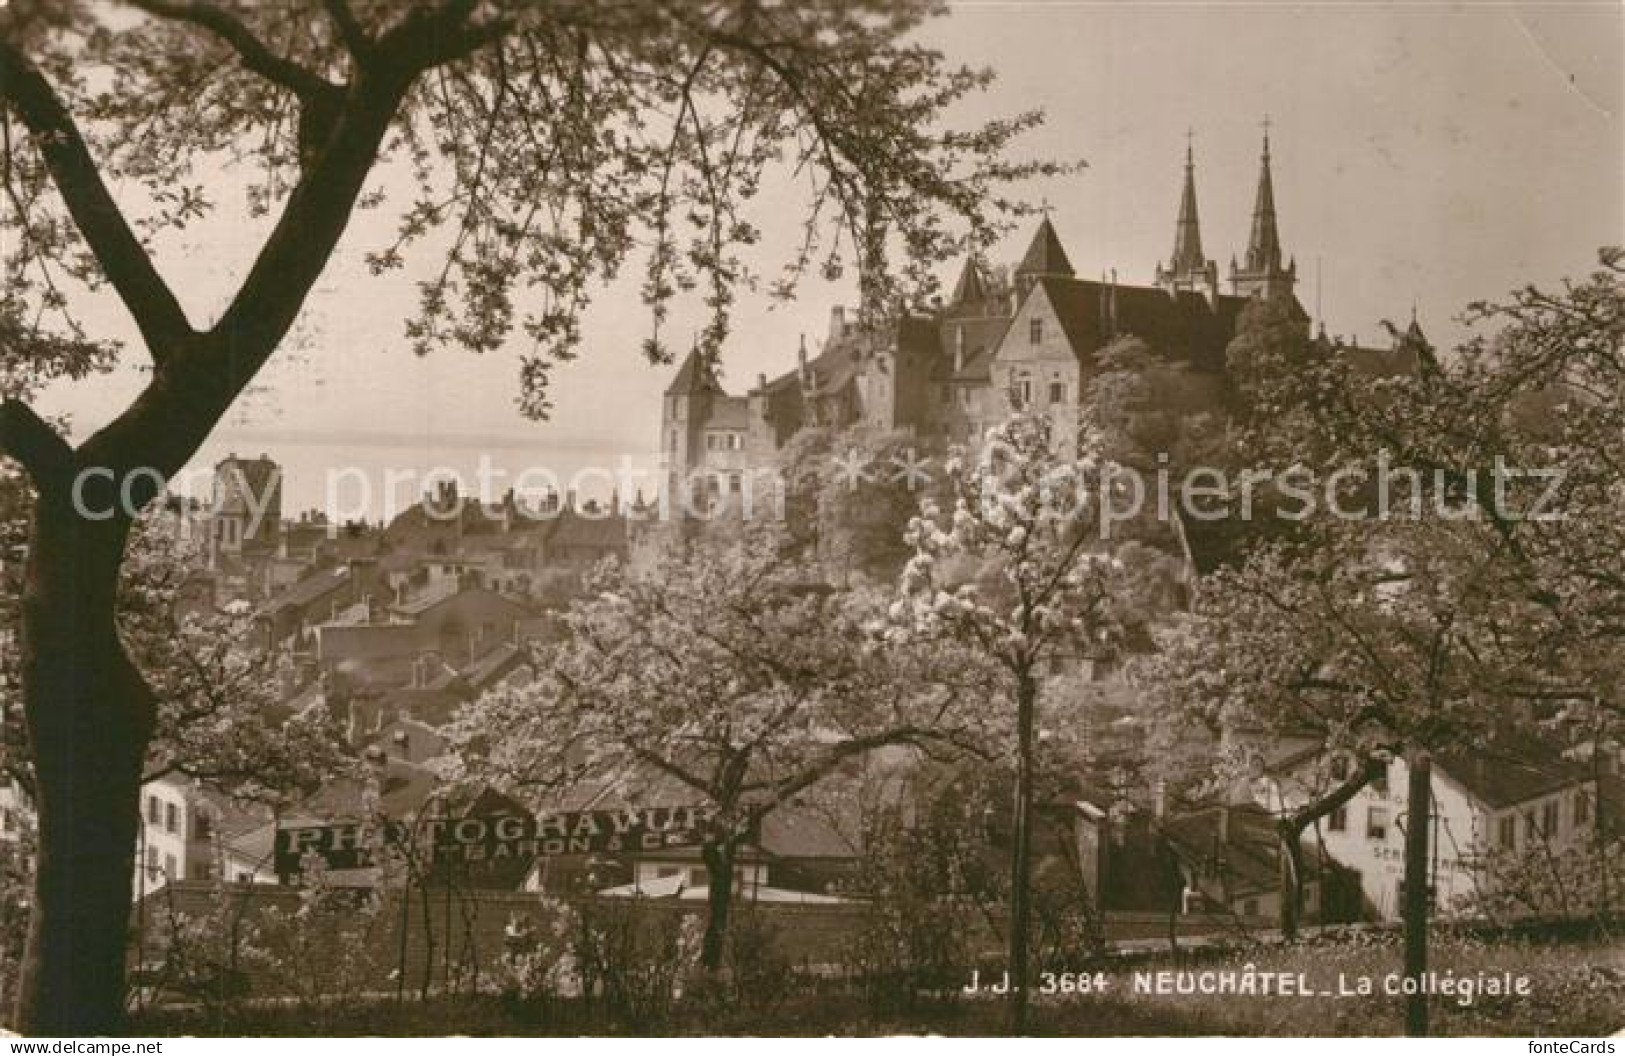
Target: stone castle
column 955, row 370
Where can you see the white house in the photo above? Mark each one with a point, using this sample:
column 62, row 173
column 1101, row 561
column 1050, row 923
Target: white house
column 1481, row 805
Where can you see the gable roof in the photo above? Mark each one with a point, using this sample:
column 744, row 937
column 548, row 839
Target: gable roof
column 1500, row 780
column 1183, row 324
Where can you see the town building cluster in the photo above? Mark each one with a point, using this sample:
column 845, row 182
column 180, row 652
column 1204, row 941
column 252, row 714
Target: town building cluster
column 388, row 628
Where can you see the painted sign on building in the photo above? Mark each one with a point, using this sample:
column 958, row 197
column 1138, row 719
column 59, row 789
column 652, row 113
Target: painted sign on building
column 491, row 838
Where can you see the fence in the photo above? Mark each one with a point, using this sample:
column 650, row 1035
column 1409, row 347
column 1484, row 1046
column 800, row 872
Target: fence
column 443, row 938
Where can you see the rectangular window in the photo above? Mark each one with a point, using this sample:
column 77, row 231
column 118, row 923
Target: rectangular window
column 1057, row 392
column 1548, row 819
column 1376, row 823
column 152, row 862
column 1531, row 828
column 1339, row 821
column 1582, row 808
column 1379, row 786
column 1035, row 331
column 172, row 818
column 154, row 811
column 8, row 820
column 201, row 827
column 169, row 867
column 1507, row 833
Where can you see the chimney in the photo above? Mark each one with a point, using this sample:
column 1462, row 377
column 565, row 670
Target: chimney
column 761, row 382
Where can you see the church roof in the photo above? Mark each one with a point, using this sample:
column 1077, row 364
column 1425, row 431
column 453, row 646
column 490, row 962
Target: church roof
column 1045, row 255
column 1183, row 324
column 694, row 378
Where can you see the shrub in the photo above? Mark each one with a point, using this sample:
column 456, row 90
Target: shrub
column 634, row 958
column 538, row 965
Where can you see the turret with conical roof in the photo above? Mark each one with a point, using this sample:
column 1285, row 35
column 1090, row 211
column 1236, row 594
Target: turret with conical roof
column 971, row 289
column 695, row 377
column 1188, row 269
column 1044, row 258
column 1261, row 272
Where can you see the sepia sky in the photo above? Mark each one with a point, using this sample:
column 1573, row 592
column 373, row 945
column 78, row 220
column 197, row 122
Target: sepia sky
column 1424, row 152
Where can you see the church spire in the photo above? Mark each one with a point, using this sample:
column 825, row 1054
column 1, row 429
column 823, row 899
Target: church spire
column 1188, row 230
column 1262, row 271
column 1188, row 268
column 1264, row 245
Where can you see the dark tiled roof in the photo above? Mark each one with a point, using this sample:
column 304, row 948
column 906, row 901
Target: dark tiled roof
column 574, row 529
column 1184, row 324
column 694, row 378
column 982, row 336
column 971, row 287
column 1044, row 254
column 728, row 412
column 312, row 588
column 406, row 787
column 1500, row 779
column 492, row 666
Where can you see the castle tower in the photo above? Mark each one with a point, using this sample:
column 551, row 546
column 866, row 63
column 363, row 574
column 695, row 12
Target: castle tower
column 1262, row 272
column 246, row 512
column 683, row 413
column 1188, row 269
column 1044, row 257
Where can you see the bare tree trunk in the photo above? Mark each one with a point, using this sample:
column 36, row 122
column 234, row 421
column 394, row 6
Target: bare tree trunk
column 90, row 716
column 1419, row 810
column 1290, row 830
column 719, row 868
column 1021, row 865
column 1291, row 883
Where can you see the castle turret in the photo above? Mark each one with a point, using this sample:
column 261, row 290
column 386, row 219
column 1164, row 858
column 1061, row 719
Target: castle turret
column 684, row 410
column 246, row 512
column 1044, row 258
column 1262, row 272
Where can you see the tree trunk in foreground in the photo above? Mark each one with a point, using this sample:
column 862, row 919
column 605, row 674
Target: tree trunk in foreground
column 90, row 716
column 1291, row 884
column 719, row 870
column 1021, row 865
column 1419, row 810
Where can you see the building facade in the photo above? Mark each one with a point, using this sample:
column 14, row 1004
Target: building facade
column 956, row 369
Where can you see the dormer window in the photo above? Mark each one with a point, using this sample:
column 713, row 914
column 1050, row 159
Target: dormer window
column 1035, row 331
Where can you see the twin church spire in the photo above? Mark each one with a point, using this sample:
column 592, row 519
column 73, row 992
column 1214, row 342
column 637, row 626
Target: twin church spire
column 1262, row 273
